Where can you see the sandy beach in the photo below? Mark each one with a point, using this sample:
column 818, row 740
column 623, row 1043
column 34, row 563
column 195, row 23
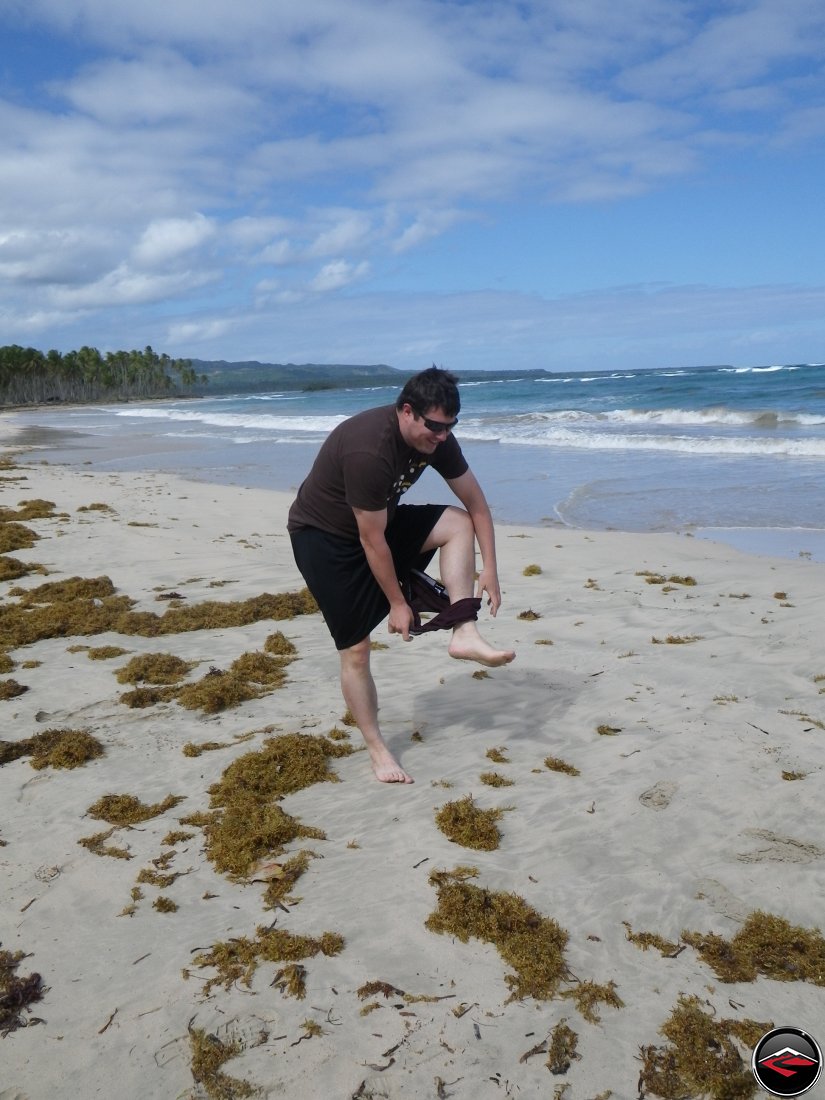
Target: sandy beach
column 653, row 752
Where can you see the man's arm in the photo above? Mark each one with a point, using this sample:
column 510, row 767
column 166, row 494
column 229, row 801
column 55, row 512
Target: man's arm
column 471, row 495
column 371, row 528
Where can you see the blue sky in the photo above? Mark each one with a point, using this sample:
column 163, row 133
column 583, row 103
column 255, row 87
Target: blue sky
column 567, row 184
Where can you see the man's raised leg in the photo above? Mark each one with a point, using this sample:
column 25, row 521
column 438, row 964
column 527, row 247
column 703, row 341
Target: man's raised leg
column 455, row 537
column 361, row 697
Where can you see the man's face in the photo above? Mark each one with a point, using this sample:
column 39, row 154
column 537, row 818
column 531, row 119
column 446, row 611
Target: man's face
column 424, row 432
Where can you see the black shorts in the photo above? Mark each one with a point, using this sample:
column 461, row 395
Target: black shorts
column 338, row 575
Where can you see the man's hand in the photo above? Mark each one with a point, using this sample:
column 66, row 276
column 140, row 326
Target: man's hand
column 401, row 619
column 488, row 582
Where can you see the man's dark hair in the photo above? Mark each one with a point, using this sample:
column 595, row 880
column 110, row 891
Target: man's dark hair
column 431, row 389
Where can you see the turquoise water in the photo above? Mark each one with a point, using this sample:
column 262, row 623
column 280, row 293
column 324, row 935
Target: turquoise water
column 713, row 447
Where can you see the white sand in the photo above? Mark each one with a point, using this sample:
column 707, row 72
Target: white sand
column 680, row 820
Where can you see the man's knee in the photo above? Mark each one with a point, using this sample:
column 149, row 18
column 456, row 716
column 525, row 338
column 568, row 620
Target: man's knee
column 356, row 657
column 453, row 523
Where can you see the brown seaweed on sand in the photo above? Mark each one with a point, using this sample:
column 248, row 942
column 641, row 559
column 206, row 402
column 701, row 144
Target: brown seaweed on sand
column 562, row 1048
column 208, row 1054
column 587, row 995
column 238, row 959
column 531, row 944
column 87, row 606
column 765, row 944
column 10, row 689
column 126, row 809
column 464, row 823
column 154, row 668
column 701, row 1058
column 55, row 748
column 17, row 993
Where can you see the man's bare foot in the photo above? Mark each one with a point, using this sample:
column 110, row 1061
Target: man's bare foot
column 468, row 645
column 386, row 767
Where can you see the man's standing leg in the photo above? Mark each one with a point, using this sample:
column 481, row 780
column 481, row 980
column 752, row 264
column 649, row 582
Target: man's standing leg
column 361, row 697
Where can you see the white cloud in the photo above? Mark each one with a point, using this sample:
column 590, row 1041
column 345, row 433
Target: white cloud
column 153, row 89
column 169, row 238
column 338, row 274
column 279, row 253
column 428, row 224
column 351, row 231
column 127, row 287
column 189, row 333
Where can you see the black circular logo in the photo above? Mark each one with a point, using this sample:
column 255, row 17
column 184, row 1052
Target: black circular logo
column 787, row 1061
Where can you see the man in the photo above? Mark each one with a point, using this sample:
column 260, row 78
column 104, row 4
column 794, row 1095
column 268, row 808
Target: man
column 355, row 545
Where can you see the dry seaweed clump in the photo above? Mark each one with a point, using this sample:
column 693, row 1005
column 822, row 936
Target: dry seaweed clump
column 63, row 748
column 16, row 536
column 531, row 944
column 208, row 1055
column 498, row 755
column 213, row 615
column 556, row 764
column 464, row 823
column 29, row 509
column 98, row 846
column 143, row 697
column 105, row 652
column 154, row 668
column 238, row 959
column 495, row 779
column 75, row 588
column 216, row 691
column 81, row 606
column 10, row 689
column 279, row 645
column 247, row 823
column 245, row 832
column 12, row 568
column 249, row 677
column 659, row 578
column 260, row 668
column 191, row 749
column 765, row 944
column 126, row 809
column 56, row 748
column 561, row 1050
column 17, row 994
column 644, row 940
column 587, row 995
column 702, row 1059
column 280, row 884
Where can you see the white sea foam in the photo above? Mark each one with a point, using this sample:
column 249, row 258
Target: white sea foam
column 706, row 445
column 235, row 421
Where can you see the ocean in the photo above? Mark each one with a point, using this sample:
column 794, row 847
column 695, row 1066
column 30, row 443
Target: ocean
column 734, row 453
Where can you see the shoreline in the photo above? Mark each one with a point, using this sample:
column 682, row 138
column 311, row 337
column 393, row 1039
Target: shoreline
column 690, row 804
column 780, row 542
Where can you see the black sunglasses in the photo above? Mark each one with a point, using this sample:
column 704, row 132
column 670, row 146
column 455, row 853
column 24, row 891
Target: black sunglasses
column 437, row 426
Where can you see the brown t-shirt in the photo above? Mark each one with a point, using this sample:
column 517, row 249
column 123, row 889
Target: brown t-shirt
column 365, row 463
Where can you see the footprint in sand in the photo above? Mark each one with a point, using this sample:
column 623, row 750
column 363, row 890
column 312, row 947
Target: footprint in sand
column 779, row 849
column 659, row 796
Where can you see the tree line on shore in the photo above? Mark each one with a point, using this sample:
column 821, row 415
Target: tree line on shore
column 32, row 377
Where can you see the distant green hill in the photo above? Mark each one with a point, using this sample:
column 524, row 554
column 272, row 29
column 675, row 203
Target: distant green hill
column 255, row 377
